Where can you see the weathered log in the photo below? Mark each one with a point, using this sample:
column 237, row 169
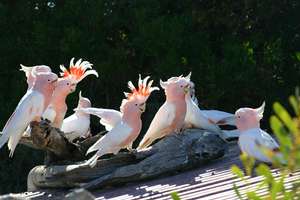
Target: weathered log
column 174, row 153
column 57, row 147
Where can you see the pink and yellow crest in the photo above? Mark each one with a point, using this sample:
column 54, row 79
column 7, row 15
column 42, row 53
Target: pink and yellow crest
column 78, row 71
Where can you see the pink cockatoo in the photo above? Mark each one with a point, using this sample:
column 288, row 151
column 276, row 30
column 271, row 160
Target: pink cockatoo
column 252, row 138
column 31, row 70
column 170, row 116
column 57, row 109
column 78, row 124
column 125, row 131
column 29, row 109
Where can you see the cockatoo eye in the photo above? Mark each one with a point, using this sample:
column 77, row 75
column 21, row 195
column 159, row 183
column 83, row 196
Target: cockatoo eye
column 239, row 117
column 49, row 80
column 68, row 83
column 136, row 104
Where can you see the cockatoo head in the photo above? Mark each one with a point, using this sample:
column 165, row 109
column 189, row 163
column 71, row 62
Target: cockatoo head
column 83, row 102
column 136, row 100
column 65, row 86
column 247, row 118
column 44, row 81
column 78, row 71
column 176, row 87
column 32, row 70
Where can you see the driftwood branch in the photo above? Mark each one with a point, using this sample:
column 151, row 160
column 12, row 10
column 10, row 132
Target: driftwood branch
column 172, row 154
column 58, row 148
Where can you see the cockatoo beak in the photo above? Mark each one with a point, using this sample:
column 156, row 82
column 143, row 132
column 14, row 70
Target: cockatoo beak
column 227, row 120
column 186, row 89
column 143, row 107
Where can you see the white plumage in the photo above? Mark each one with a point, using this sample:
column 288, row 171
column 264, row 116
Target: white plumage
column 76, row 125
column 252, row 140
column 108, row 117
column 30, row 106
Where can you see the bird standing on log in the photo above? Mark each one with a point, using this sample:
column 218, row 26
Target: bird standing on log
column 125, row 131
column 78, row 124
column 170, row 116
column 30, row 108
column 252, row 138
column 57, row 109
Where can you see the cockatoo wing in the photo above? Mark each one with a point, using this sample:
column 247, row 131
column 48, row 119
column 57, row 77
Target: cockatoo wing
column 109, row 117
column 30, row 106
column 162, row 119
column 251, row 142
column 49, row 113
column 216, row 115
column 112, row 141
column 267, row 141
column 75, row 126
column 195, row 117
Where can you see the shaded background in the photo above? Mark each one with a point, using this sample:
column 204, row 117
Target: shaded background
column 240, row 53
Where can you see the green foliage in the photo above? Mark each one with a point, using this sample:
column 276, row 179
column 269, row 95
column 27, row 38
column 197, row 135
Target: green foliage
column 240, row 52
column 286, row 129
column 175, row 196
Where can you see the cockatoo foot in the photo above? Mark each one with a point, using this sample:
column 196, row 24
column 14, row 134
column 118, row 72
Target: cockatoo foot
column 92, row 161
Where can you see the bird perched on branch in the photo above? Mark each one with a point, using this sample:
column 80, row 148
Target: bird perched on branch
column 57, row 109
column 125, row 131
column 30, row 108
column 252, row 138
column 170, row 116
column 78, row 124
column 31, row 70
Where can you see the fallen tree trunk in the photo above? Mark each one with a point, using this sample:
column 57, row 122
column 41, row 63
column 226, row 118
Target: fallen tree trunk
column 174, row 153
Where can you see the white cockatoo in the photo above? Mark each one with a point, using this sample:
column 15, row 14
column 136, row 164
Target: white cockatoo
column 30, row 108
column 252, row 138
column 170, row 116
column 125, row 131
column 57, row 108
column 78, row 124
column 197, row 118
column 215, row 116
column 31, row 70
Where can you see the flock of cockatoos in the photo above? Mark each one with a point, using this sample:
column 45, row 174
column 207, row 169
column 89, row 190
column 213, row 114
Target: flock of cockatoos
column 46, row 95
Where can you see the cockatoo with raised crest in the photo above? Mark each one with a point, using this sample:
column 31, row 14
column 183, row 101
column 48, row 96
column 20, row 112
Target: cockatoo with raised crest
column 31, row 70
column 252, row 137
column 30, row 108
column 125, row 131
column 78, row 124
column 170, row 116
column 57, row 109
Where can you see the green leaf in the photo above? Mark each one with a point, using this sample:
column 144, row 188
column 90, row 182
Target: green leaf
column 253, row 195
column 264, row 170
column 298, row 55
column 280, row 132
column 295, row 104
column 285, row 117
column 175, row 196
column 277, row 187
column 237, row 171
column 237, row 192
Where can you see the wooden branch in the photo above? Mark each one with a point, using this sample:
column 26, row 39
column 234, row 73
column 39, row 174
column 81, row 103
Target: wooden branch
column 177, row 152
